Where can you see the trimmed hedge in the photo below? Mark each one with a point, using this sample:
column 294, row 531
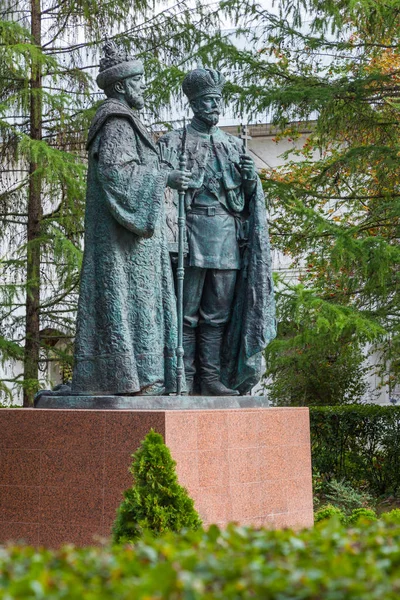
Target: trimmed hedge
column 358, row 443
column 327, row 562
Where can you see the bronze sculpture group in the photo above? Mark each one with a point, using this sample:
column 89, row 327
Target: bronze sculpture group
column 127, row 335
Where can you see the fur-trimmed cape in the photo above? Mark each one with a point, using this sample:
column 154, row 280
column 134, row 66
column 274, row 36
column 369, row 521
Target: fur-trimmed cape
column 126, row 325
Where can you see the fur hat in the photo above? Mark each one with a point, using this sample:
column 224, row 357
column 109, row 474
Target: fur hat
column 201, row 82
column 116, row 65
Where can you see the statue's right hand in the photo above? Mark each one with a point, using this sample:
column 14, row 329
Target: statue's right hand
column 179, row 180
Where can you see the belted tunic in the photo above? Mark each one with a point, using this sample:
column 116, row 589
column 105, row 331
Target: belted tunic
column 211, row 225
column 215, row 200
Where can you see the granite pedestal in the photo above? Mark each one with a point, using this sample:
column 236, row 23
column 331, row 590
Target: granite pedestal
column 62, row 471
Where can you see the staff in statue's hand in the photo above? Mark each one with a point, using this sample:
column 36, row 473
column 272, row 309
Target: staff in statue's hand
column 179, row 180
column 247, row 167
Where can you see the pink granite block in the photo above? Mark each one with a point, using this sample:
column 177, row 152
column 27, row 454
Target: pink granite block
column 298, row 461
column 212, row 430
column 296, row 425
column 19, row 467
column 273, row 463
column 73, row 430
column 24, row 533
column 54, row 504
column 300, row 418
column 19, row 503
column 246, row 501
column 213, row 504
column 181, row 430
column 256, row 522
column 71, row 467
column 272, row 428
column 299, row 494
column 116, row 469
column 112, row 499
column 273, row 498
column 213, row 468
column 244, row 465
column 243, row 428
column 54, row 535
column 104, row 537
column 187, row 469
column 283, row 426
column 126, row 429
column 294, row 520
column 268, row 521
column 20, row 428
column 86, row 505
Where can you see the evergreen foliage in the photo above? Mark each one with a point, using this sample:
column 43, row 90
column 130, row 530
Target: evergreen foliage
column 392, row 516
column 335, row 204
column 345, row 497
column 317, row 358
column 357, row 444
column 329, row 512
column 332, row 68
column 357, row 517
column 361, row 515
column 156, row 502
column 49, row 54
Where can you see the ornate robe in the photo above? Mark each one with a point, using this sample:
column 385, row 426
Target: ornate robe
column 126, row 325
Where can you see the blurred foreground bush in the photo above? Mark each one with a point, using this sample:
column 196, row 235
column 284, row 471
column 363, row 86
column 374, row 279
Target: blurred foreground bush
column 359, row 444
column 327, row 562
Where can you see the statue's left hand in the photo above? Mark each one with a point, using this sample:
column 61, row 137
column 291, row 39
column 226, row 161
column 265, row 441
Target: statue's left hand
column 247, row 167
column 179, row 180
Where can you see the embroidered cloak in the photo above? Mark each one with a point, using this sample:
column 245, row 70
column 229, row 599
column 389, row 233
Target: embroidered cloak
column 126, row 324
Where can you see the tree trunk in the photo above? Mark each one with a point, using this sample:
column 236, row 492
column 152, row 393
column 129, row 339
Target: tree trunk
column 32, row 325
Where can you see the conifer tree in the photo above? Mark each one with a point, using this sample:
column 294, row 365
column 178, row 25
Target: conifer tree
column 156, row 502
column 335, row 204
column 49, row 53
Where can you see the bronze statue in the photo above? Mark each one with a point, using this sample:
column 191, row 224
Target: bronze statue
column 228, row 302
column 126, row 326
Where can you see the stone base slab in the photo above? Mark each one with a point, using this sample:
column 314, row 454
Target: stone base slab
column 60, row 400
column 62, row 472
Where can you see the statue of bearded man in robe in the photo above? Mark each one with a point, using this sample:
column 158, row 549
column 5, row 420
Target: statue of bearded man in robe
column 126, row 326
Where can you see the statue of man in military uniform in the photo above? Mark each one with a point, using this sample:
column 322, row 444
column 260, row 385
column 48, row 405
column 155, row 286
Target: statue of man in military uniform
column 228, row 304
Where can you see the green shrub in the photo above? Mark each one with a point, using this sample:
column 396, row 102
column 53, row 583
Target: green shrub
column 359, row 444
column 361, row 515
column 156, row 502
column 345, row 497
column 358, row 516
column 393, row 516
column 321, row 563
column 328, row 512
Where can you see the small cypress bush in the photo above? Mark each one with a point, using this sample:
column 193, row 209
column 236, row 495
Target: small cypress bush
column 156, row 502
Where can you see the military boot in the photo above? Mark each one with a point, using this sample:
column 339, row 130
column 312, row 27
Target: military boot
column 210, row 342
column 189, row 349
